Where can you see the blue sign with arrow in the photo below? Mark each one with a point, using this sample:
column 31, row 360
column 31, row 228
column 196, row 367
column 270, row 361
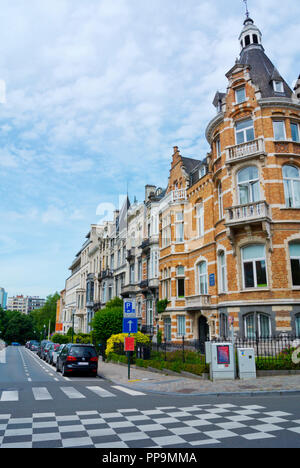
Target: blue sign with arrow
column 130, row 325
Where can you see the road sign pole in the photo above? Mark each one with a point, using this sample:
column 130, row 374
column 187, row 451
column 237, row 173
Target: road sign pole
column 128, row 353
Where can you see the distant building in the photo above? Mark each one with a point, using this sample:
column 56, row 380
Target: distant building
column 3, row 298
column 25, row 305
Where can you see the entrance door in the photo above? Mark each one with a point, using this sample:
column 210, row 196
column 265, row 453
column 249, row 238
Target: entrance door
column 203, row 332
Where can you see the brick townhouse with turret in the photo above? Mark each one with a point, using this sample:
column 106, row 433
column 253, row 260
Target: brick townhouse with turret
column 230, row 228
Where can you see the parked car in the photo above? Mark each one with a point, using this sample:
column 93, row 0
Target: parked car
column 45, row 351
column 55, row 354
column 78, row 358
column 42, row 347
column 15, row 344
column 52, row 347
column 34, row 346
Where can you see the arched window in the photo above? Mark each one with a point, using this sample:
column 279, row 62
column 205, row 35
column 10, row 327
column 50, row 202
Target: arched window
column 203, row 284
column 248, row 185
column 244, row 131
column 222, row 272
column 247, row 40
column 294, row 249
column 257, row 325
column 291, row 180
column 254, row 266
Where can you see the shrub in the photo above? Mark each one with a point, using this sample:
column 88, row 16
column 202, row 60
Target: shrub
column 114, row 340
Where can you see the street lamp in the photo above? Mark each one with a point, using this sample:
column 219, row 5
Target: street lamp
column 73, row 317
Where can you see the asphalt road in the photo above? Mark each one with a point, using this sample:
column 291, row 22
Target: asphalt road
column 41, row 408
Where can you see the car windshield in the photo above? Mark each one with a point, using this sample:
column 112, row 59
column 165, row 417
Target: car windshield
column 87, row 352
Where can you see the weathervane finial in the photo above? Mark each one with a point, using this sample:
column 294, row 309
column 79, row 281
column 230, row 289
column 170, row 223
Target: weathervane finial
column 246, row 5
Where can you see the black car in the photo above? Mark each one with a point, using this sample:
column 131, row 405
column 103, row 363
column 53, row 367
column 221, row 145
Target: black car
column 76, row 358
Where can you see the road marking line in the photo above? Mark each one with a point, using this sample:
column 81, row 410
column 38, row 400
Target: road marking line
column 10, row 396
column 101, row 392
column 128, row 390
column 72, row 393
column 41, row 393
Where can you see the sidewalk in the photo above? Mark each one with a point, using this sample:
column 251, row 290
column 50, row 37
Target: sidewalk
column 153, row 382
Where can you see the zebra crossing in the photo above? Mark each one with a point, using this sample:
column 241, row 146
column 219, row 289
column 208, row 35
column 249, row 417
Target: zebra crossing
column 72, row 393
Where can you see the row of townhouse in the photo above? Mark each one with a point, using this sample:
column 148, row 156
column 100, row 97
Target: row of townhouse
column 222, row 241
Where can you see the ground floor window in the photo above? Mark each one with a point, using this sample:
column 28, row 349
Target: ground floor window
column 149, row 312
column 295, row 263
column 223, row 325
column 181, row 330
column 257, row 325
column 167, row 329
column 298, row 326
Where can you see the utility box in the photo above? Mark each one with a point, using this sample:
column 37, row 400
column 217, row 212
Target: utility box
column 246, row 363
column 222, row 365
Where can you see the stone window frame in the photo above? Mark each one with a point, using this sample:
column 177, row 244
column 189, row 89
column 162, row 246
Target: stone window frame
column 180, row 277
column 239, row 246
column 255, row 287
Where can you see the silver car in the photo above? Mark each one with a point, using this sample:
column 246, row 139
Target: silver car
column 56, row 353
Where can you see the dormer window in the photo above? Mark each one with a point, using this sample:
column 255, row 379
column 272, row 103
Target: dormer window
column 278, row 86
column 240, row 95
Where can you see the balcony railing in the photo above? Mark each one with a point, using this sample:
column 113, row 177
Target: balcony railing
column 106, row 274
column 199, row 301
column 247, row 213
column 245, row 150
column 179, row 195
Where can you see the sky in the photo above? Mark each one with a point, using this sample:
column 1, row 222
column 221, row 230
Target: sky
column 94, row 95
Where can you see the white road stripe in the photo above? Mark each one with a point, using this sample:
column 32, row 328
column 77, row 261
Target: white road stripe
column 72, row 393
column 41, row 393
column 10, row 396
column 3, row 356
column 101, row 392
column 128, row 390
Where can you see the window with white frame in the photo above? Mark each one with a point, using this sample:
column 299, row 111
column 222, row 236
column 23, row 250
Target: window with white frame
column 295, row 132
column 244, row 131
column 218, row 147
column 202, row 274
column 240, row 95
column 166, row 231
column 222, row 272
column 180, row 280
column 294, row 249
column 257, row 325
column 291, row 180
column 279, row 130
column 179, row 226
column 181, row 325
column 248, row 185
column 254, row 266
column 278, row 86
column 220, row 200
column 149, row 312
column 132, row 273
column 200, row 219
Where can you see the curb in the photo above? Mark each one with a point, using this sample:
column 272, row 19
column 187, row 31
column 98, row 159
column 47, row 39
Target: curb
column 251, row 393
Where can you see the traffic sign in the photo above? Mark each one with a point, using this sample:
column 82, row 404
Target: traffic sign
column 129, row 308
column 129, row 344
column 130, row 325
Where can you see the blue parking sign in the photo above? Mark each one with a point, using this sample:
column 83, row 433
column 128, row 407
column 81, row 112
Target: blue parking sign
column 130, row 325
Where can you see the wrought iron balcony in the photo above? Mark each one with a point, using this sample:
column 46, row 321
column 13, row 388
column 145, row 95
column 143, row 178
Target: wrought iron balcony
column 147, row 329
column 106, row 274
column 197, row 302
column 244, row 151
column 249, row 213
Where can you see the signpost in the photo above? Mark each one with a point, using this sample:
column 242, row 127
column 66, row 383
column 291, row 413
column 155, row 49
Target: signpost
column 130, row 325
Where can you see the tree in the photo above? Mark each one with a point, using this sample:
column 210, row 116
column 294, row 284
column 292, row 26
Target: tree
column 108, row 321
column 19, row 328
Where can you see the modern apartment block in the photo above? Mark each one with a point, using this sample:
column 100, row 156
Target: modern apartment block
column 25, row 304
column 222, row 241
column 3, row 298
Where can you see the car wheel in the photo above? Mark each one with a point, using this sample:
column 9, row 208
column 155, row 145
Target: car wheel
column 63, row 371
